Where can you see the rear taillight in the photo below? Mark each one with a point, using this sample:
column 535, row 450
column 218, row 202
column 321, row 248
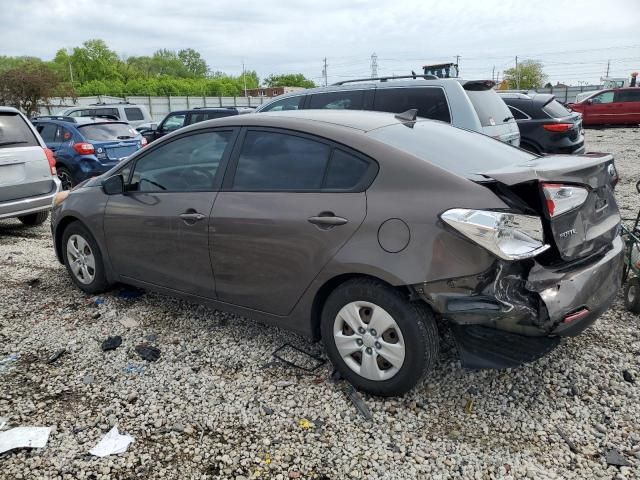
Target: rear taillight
column 84, row 148
column 558, row 127
column 562, row 198
column 52, row 160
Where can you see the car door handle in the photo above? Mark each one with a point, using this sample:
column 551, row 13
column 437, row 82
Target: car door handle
column 192, row 217
column 327, row 220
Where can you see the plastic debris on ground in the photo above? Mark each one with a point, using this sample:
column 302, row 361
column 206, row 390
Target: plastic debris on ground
column 56, row 355
column 24, row 437
column 130, row 293
column 98, row 301
column 111, row 343
column 139, row 369
column 3, row 422
column 298, row 358
column 8, row 362
column 112, row 443
column 357, row 400
column 615, row 458
column 148, row 352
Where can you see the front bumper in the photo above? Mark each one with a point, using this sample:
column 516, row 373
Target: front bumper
column 528, row 298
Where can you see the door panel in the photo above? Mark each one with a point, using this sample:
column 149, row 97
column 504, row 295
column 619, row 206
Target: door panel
column 148, row 240
column 265, row 251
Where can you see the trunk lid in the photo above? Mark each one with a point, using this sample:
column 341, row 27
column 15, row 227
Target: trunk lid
column 584, row 230
column 117, row 150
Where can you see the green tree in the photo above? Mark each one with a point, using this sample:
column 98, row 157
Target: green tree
column 288, row 80
column 31, row 84
column 193, row 63
column 528, row 75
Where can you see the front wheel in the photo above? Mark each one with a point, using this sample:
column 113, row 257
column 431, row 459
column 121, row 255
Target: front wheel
column 378, row 340
column 83, row 259
column 66, row 179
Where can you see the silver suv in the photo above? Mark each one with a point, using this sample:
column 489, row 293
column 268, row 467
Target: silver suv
column 469, row 104
column 28, row 180
column 129, row 112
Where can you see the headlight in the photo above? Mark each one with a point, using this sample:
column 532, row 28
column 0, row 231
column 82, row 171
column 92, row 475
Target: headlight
column 60, row 197
column 509, row 236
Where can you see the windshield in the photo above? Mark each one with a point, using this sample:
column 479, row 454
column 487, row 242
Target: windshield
column 459, row 151
column 107, row 131
column 490, row 107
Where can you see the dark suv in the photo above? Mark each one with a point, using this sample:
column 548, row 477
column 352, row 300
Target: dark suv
column 546, row 126
column 182, row 118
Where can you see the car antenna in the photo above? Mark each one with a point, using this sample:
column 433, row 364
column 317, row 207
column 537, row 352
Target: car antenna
column 408, row 116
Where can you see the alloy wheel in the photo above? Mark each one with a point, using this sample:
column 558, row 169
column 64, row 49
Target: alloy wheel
column 369, row 340
column 81, row 259
column 65, row 180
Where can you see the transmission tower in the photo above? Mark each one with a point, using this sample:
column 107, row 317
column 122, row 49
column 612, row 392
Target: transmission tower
column 374, row 65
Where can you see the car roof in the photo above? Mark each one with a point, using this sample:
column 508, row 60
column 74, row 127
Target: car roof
column 78, row 121
column 354, row 119
column 9, row 110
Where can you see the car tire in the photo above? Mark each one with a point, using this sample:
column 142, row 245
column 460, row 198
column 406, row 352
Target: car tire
column 34, row 219
column 66, row 179
column 388, row 362
column 632, row 295
column 83, row 259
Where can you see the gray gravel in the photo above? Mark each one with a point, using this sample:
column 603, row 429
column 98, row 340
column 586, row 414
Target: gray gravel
column 209, row 408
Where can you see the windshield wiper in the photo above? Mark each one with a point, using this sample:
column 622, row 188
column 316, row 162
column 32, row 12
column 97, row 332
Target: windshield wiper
column 15, row 142
column 507, row 119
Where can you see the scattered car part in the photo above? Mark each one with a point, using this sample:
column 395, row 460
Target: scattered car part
column 112, row 443
column 24, row 437
column 148, row 352
column 111, row 343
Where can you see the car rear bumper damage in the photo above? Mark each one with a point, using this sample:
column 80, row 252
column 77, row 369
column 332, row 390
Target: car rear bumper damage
column 517, row 311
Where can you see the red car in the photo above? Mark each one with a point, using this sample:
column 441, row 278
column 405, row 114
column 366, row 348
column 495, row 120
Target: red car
column 613, row 106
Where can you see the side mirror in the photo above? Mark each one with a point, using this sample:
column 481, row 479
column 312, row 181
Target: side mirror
column 113, row 185
column 153, row 127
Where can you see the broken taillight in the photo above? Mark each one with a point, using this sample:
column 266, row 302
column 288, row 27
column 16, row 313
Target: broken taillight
column 562, row 198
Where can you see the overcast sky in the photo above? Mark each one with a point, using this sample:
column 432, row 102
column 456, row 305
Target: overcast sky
column 573, row 39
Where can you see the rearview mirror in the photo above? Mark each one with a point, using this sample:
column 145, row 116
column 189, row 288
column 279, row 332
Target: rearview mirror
column 113, row 185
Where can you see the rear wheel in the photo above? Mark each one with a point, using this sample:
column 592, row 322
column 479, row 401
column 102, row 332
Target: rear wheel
column 380, row 342
column 632, row 295
column 66, row 179
column 34, row 219
column 83, row 259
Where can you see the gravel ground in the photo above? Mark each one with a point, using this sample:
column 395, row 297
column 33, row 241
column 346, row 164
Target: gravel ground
column 213, row 406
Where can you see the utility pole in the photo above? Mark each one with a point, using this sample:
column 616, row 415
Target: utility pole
column 517, row 75
column 493, row 74
column 244, row 77
column 324, row 71
column 458, row 65
column 374, row 65
column 608, row 64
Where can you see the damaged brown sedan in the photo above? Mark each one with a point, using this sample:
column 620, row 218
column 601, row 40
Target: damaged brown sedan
column 360, row 229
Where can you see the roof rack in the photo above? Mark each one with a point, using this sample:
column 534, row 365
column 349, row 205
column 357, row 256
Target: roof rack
column 110, row 103
column 55, row 117
column 384, row 79
column 520, row 95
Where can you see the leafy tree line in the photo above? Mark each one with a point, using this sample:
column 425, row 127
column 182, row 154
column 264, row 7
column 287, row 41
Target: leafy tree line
column 94, row 69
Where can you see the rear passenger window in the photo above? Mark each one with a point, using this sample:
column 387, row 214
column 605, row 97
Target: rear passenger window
column 112, row 112
column 631, row 95
column 271, row 161
column 344, row 100
column 517, row 114
column 345, row 171
column 133, row 113
column 47, row 132
column 290, row 103
column 14, row 132
column 63, row 135
column 430, row 102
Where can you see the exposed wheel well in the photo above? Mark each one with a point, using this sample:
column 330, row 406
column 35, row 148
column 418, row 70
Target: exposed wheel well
column 330, row 286
column 62, row 226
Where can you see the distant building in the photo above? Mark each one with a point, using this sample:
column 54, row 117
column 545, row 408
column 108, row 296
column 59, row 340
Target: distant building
column 560, row 85
column 271, row 91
